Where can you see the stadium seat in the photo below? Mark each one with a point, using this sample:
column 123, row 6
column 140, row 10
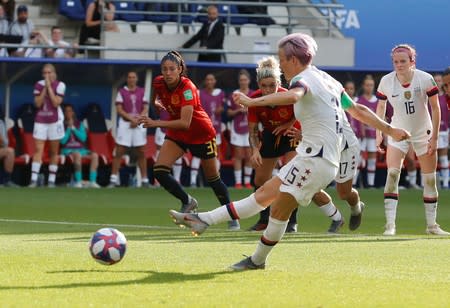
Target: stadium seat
column 170, row 28
column 276, row 30
column 95, row 120
column 161, row 8
column 128, row 6
column 124, row 26
column 147, row 27
column 301, row 29
column 250, row 30
column 72, row 9
column 279, row 14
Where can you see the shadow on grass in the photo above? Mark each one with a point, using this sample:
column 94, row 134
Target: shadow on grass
column 152, row 277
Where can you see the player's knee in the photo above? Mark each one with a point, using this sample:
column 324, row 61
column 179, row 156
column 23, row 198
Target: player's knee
column 392, row 179
column 429, row 185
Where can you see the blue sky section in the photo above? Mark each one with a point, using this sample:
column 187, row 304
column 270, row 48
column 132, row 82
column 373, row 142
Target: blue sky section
column 378, row 25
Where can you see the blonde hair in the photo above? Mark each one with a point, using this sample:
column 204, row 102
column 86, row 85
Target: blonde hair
column 268, row 67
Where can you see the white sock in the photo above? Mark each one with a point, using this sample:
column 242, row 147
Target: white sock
column 35, row 169
column 443, row 162
column 371, row 169
column 331, row 211
column 275, row 171
column 177, row 167
column 113, row 179
column 238, row 176
column 412, row 177
column 243, row 208
column 390, row 210
column 430, row 213
column 355, row 210
column 271, row 236
column 195, row 165
column 52, row 169
column 247, row 174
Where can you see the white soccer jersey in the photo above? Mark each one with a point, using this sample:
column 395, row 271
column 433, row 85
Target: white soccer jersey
column 320, row 113
column 410, row 102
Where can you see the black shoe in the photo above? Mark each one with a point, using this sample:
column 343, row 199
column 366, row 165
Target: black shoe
column 247, row 264
column 335, row 226
column 355, row 220
column 291, row 227
column 259, row 226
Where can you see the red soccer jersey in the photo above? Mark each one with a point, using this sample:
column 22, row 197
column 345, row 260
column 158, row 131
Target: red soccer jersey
column 185, row 94
column 270, row 117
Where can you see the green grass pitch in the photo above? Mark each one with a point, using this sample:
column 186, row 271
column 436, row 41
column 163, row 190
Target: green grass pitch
column 44, row 259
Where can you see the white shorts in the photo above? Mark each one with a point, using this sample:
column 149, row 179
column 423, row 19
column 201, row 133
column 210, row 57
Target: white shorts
column 239, row 140
column 369, row 145
column 419, row 147
column 303, row 177
column 130, row 137
column 159, row 137
column 348, row 165
column 443, row 140
column 48, row 131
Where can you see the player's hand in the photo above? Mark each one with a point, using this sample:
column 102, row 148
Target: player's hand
column 282, row 128
column 134, row 122
column 399, row 134
column 146, row 122
column 256, row 160
column 242, row 99
column 432, row 146
column 294, row 133
column 379, row 143
column 159, row 104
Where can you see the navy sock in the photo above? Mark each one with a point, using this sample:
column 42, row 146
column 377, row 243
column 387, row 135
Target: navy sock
column 220, row 189
column 162, row 174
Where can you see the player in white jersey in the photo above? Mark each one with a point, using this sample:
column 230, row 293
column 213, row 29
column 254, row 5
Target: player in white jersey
column 409, row 90
column 317, row 101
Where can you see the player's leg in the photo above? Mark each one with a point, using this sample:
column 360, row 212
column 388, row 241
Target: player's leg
column 39, row 136
column 7, row 155
column 115, row 165
column 142, row 164
column 195, row 166
column 443, row 158
column 262, row 174
column 248, row 169
column 238, row 156
column 326, row 205
column 395, row 155
column 430, row 193
column 169, row 153
column 93, row 166
column 371, row 161
column 53, row 165
column 76, row 158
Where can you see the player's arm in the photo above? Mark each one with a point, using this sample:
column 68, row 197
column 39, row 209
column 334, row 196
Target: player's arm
column 183, row 123
column 123, row 113
column 253, row 136
column 275, row 99
column 367, row 116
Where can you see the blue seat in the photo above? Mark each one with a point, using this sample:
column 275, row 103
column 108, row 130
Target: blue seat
column 128, row 6
column 158, row 7
column 72, row 9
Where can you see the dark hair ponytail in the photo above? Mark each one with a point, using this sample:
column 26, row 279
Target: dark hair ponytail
column 176, row 57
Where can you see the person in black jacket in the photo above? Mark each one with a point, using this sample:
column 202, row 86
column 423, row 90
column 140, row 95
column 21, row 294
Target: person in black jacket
column 211, row 36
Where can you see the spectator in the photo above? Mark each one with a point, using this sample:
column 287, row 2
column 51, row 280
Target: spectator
column 239, row 134
column 130, row 104
column 9, row 6
column 443, row 133
column 22, row 26
column 37, row 38
column 48, row 122
column 57, row 41
column 4, row 29
column 368, row 99
column 7, row 155
column 74, row 145
column 213, row 100
column 90, row 30
column 210, row 35
column 446, row 85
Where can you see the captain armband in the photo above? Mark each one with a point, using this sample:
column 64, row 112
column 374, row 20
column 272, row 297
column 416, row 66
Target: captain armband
column 346, row 101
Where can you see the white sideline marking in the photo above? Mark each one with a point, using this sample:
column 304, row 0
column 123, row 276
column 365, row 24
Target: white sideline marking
column 50, row 222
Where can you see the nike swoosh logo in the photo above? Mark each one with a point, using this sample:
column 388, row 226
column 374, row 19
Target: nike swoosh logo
column 395, row 95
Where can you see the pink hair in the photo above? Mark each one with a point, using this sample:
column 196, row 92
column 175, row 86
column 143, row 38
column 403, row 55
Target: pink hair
column 409, row 50
column 299, row 45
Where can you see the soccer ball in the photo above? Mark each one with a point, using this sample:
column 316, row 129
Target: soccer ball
column 108, row 246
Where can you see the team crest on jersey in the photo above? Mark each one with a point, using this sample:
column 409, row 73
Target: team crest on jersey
column 283, row 113
column 188, row 95
column 407, row 94
column 175, row 100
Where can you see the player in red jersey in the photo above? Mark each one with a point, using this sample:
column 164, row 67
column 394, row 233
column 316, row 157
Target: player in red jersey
column 188, row 128
column 273, row 143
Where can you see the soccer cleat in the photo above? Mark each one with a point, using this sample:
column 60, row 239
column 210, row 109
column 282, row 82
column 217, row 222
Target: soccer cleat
column 335, row 226
column 78, row 185
column 436, row 230
column 389, row 230
column 51, row 185
column 190, row 207
column 93, row 185
column 248, row 186
column 33, row 184
column 291, row 228
column 247, row 264
column 192, row 221
column 233, row 225
column 259, row 226
column 238, row 186
column 355, row 220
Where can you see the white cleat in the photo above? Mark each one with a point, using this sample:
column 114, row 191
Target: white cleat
column 436, row 230
column 389, row 230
